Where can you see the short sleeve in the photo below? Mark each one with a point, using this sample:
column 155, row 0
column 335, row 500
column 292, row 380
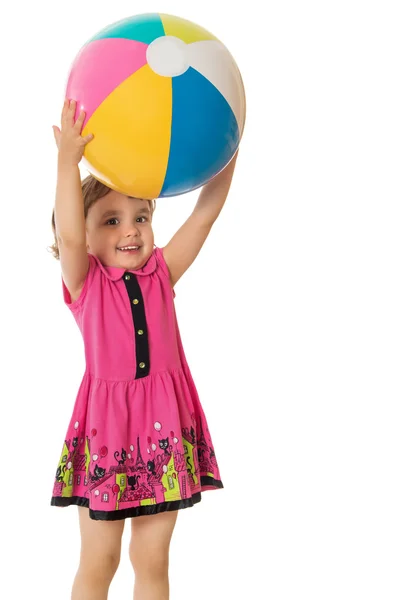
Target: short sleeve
column 78, row 303
column 163, row 265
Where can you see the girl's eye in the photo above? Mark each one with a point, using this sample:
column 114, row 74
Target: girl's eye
column 142, row 218
column 109, row 221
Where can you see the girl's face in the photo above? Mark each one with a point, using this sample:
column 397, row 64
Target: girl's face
column 115, row 221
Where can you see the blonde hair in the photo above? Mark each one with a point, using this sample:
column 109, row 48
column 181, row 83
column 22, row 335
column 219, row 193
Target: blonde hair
column 92, row 190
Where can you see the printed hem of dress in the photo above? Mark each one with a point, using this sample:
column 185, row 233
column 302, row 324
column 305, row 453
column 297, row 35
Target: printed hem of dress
column 207, row 483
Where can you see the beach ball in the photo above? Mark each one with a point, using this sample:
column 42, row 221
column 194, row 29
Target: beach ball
column 165, row 102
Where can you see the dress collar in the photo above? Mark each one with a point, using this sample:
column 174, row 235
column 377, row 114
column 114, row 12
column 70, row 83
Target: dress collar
column 115, row 273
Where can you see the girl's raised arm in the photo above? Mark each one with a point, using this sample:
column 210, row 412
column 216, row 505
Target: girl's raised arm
column 185, row 245
column 69, row 212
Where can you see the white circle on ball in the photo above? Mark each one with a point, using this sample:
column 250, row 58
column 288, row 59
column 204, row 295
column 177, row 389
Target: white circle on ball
column 167, row 56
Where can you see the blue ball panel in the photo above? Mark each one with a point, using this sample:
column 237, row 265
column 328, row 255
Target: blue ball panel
column 204, row 134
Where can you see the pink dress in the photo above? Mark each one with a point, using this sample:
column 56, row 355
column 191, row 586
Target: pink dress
column 138, row 441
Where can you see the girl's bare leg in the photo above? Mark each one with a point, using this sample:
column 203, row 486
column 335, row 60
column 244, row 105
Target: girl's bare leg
column 100, row 554
column 149, row 554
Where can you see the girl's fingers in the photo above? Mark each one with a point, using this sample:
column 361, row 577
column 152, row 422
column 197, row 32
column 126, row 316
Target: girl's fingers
column 68, row 122
column 88, row 138
column 64, row 109
column 57, row 133
column 79, row 120
column 69, row 117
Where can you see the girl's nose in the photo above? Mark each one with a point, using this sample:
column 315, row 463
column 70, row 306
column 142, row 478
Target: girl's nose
column 133, row 230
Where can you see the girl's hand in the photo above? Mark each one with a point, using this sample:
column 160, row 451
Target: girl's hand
column 70, row 143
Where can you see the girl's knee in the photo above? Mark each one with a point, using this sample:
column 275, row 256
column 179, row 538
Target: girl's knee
column 149, row 561
column 149, row 547
column 100, row 547
column 101, row 565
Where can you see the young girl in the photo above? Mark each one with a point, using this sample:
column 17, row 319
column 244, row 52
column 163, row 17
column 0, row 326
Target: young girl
column 138, row 444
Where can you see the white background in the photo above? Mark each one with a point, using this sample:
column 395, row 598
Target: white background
column 289, row 317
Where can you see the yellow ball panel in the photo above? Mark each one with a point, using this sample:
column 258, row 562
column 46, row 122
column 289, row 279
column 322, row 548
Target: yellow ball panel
column 185, row 30
column 132, row 134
